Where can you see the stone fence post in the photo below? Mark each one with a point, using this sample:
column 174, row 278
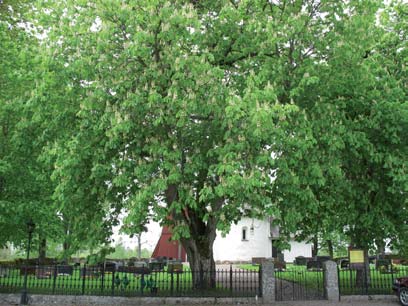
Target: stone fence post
column 331, row 281
column 268, row 281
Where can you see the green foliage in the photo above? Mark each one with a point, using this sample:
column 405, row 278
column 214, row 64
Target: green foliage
column 122, row 252
column 25, row 188
column 349, row 177
column 196, row 114
column 158, row 121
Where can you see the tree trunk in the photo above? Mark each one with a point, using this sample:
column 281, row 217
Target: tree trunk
column 380, row 248
column 42, row 250
column 330, row 248
column 199, row 249
column 139, row 246
column 199, row 246
column 200, row 257
column 65, row 248
column 315, row 246
column 363, row 277
column 66, row 245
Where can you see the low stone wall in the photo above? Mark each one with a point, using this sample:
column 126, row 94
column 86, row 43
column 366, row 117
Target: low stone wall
column 58, row 300
column 64, row 300
column 353, row 298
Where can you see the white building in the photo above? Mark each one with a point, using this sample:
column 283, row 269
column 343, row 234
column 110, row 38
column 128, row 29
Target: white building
column 254, row 238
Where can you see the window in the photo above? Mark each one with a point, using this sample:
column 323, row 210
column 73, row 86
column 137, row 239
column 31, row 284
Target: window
column 245, row 234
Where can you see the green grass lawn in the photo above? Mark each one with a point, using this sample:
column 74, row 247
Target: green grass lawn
column 300, row 275
column 249, row 267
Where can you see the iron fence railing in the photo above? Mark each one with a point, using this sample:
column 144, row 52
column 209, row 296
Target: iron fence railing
column 369, row 281
column 298, row 283
column 128, row 281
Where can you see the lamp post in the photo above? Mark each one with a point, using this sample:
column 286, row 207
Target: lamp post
column 30, row 229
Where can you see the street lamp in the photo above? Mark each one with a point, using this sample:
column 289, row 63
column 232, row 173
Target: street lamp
column 30, row 229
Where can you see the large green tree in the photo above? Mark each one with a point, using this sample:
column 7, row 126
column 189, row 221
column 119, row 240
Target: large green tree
column 355, row 172
column 174, row 123
column 197, row 113
column 25, row 184
column 20, row 185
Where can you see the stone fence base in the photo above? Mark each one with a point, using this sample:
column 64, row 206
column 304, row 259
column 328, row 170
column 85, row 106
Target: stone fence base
column 65, row 300
column 353, row 298
column 14, row 299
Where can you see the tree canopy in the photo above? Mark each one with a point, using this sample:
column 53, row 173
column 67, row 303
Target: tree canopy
column 196, row 113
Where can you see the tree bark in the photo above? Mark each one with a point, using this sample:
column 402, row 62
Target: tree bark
column 380, row 248
column 139, row 246
column 199, row 249
column 315, row 246
column 200, row 257
column 363, row 277
column 66, row 245
column 42, row 250
column 199, row 246
column 330, row 248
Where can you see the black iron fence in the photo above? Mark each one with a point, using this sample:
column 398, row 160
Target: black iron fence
column 369, row 281
column 299, row 283
column 128, row 281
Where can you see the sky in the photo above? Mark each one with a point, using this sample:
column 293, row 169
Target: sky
column 149, row 239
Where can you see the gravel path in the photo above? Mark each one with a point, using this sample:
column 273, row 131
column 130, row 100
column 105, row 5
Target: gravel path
column 287, row 291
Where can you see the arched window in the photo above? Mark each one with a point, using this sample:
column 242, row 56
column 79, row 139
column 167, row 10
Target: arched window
column 244, row 233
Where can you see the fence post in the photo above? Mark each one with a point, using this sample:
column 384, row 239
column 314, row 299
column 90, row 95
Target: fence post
column 113, row 283
column 260, row 281
column 171, row 283
column 331, row 281
column 268, row 281
column 366, row 279
column 392, row 273
column 142, row 283
column 83, row 279
column 338, row 281
column 54, row 279
column 230, row 279
column 102, row 279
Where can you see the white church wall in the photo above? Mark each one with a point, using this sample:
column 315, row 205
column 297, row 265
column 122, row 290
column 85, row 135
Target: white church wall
column 258, row 243
column 297, row 249
column 233, row 248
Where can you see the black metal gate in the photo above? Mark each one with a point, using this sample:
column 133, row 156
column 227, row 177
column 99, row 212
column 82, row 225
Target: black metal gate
column 298, row 283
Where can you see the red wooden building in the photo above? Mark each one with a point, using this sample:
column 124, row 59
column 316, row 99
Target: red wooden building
column 168, row 248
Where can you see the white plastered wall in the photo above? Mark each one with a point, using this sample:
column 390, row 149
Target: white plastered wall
column 297, row 249
column 233, row 248
column 258, row 243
